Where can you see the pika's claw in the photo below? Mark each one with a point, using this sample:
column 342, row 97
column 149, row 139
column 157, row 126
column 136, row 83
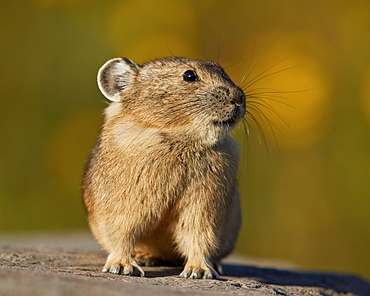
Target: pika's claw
column 130, row 269
column 114, row 268
column 199, row 273
column 218, row 267
column 125, row 269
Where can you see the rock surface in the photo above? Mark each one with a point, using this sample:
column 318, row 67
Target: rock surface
column 71, row 265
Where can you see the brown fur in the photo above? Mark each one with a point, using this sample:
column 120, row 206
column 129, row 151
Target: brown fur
column 161, row 183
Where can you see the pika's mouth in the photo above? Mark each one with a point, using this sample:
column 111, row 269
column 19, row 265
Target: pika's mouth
column 232, row 119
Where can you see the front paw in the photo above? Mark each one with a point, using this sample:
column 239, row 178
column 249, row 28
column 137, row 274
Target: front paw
column 131, row 269
column 197, row 272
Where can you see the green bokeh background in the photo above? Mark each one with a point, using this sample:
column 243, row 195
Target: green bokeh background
column 306, row 197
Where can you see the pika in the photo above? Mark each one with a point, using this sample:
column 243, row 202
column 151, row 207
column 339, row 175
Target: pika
column 160, row 184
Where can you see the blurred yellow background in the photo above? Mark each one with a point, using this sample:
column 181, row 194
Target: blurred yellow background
column 304, row 184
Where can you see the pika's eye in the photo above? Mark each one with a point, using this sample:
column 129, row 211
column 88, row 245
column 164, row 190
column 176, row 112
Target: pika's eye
column 190, row 76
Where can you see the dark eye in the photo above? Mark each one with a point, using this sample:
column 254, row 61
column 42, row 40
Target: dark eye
column 190, row 76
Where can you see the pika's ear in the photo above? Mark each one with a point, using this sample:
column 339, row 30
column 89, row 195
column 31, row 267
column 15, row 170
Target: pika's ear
column 115, row 76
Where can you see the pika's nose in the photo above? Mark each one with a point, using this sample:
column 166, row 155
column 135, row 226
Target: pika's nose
column 238, row 99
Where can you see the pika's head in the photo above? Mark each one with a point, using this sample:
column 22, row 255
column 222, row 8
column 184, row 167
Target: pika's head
column 181, row 98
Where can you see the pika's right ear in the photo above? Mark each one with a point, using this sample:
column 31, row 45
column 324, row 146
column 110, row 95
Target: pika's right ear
column 115, row 76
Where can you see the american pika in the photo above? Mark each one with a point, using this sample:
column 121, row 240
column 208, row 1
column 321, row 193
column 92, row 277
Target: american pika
column 160, row 184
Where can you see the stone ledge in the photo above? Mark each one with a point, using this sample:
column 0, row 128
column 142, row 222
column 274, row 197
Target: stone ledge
column 59, row 271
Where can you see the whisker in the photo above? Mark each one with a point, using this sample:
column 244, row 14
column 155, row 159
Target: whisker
column 261, row 136
column 265, row 118
column 272, row 126
column 250, row 61
column 271, row 110
column 272, row 99
column 260, row 76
